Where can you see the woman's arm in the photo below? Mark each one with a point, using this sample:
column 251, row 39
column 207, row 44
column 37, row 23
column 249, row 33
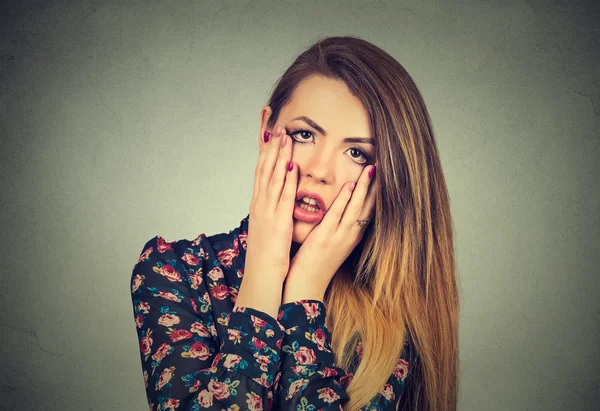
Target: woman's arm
column 184, row 365
column 309, row 378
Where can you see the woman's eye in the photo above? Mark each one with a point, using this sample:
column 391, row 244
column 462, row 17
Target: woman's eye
column 293, row 133
column 360, row 154
column 309, row 134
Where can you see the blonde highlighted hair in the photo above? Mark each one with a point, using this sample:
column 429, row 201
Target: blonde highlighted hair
column 399, row 284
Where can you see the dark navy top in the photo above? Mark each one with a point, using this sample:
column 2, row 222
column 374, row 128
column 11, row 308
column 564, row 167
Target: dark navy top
column 198, row 353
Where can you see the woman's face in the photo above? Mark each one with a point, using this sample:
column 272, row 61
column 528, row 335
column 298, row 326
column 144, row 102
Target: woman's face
column 325, row 158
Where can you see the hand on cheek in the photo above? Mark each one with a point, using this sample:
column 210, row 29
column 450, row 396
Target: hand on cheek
column 331, row 241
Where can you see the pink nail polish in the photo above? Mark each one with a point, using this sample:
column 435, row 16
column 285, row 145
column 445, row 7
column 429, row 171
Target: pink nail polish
column 266, row 136
column 372, row 172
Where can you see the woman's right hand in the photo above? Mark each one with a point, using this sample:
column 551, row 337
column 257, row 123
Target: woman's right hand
column 270, row 226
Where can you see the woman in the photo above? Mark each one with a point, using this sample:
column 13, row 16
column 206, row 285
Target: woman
column 350, row 301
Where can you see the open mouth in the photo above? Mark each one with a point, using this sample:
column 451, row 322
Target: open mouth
column 308, row 207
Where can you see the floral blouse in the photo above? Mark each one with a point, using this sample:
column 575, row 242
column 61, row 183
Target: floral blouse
column 198, row 353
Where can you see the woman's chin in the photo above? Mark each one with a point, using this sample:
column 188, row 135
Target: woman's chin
column 301, row 231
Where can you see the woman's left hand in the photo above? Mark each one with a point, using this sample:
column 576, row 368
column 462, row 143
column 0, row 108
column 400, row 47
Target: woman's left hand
column 331, row 241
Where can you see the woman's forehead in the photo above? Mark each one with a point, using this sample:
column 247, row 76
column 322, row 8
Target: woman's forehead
column 330, row 104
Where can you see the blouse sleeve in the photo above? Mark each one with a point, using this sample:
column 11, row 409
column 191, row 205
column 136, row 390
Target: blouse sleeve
column 183, row 366
column 309, row 378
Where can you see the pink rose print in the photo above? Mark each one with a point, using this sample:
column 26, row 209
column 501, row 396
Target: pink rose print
column 138, row 279
column 170, row 405
column 205, row 399
column 232, row 360
column 169, row 296
column 236, row 247
column 269, row 401
column 219, row 389
column 216, row 273
column 388, row 392
column 196, row 280
column 190, row 259
column 328, row 395
column 263, row 361
column 240, row 273
column 199, row 350
column 197, row 240
column 299, row 369
column 329, row 372
column 162, row 352
column 233, row 292
column 276, row 380
column 257, row 322
column 200, row 329
column 319, row 338
column 254, row 402
column 162, row 245
column 220, row 292
column 225, row 257
column 234, row 335
column 139, row 321
column 258, row 344
column 243, row 239
column 143, row 307
column 401, row 369
column 146, row 342
column 165, row 377
column 179, row 335
column 195, row 386
column 169, row 271
column 312, row 310
column 305, row 356
column 216, row 360
column 168, row 320
column 145, row 254
column 295, row 387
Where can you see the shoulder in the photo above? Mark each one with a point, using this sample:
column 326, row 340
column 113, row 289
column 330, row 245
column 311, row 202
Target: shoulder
column 159, row 249
column 182, row 258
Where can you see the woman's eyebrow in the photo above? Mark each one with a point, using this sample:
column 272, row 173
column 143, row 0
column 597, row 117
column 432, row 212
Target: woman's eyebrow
column 320, row 129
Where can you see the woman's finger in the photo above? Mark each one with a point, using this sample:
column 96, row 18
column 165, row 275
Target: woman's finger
column 334, row 214
column 266, row 172
column 261, row 159
column 277, row 184
column 288, row 195
column 367, row 213
column 353, row 210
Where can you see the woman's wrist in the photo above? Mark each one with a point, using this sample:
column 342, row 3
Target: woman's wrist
column 260, row 296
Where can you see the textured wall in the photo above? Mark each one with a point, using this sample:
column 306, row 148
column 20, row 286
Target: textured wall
column 123, row 120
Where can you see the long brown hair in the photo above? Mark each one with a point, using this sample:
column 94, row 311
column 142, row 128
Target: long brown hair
column 399, row 284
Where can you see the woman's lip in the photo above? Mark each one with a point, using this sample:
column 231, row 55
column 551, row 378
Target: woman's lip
column 305, row 193
column 308, row 216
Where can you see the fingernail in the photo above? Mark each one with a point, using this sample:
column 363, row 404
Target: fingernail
column 290, row 166
column 279, row 131
column 266, row 136
column 352, row 185
column 372, row 172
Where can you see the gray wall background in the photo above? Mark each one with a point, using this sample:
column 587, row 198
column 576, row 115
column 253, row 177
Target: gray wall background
column 123, row 120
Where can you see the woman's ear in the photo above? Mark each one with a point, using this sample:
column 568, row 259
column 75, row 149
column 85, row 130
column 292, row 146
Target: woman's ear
column 265, row 114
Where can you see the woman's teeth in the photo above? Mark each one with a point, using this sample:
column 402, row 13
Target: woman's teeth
column 307, row 207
